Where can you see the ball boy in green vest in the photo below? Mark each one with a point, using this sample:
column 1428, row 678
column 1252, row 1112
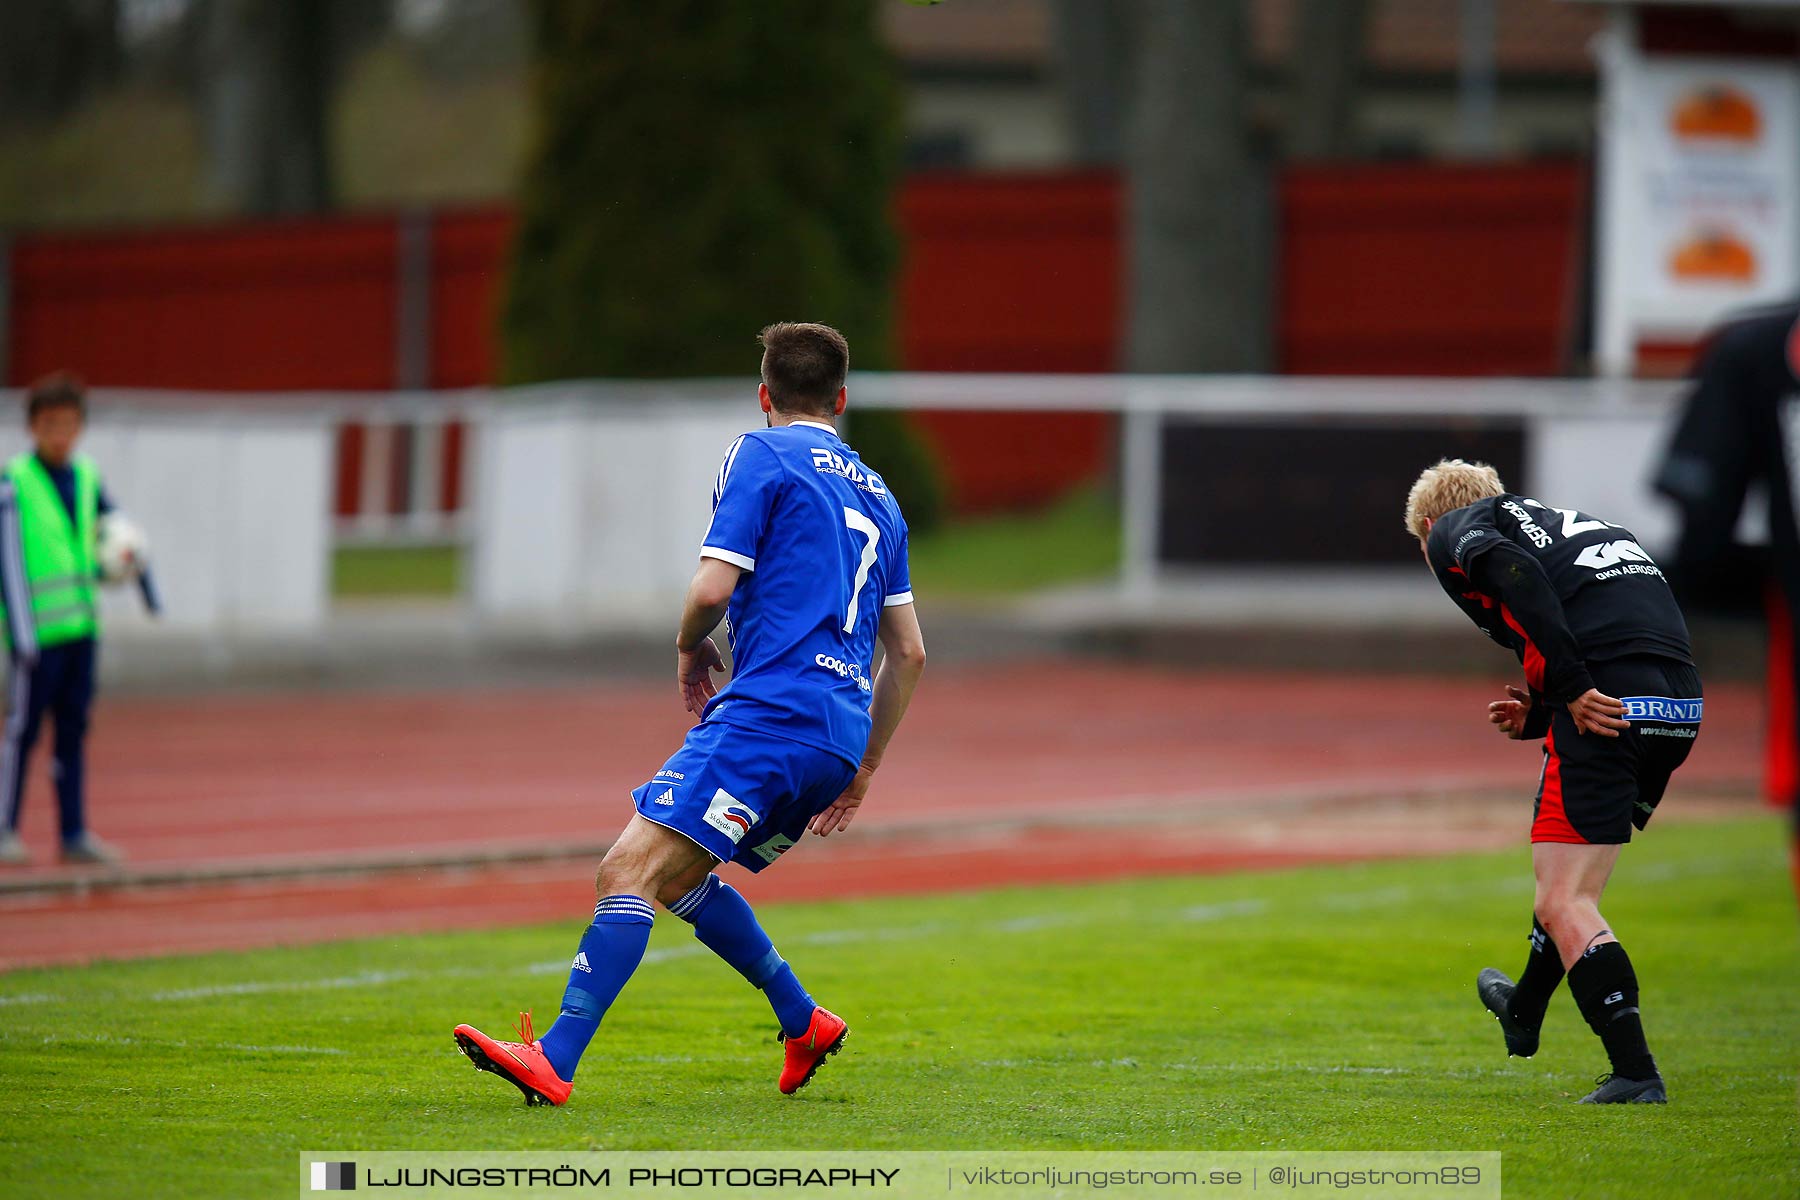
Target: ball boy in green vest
column 51, row 502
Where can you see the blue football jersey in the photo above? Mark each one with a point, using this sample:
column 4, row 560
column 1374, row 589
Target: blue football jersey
column 823, row 548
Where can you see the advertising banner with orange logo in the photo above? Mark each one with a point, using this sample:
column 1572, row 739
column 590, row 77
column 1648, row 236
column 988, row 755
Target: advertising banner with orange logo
column 1720, row 152
column 1700, row 195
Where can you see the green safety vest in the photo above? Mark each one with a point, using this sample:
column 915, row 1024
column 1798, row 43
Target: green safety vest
column 60, row 555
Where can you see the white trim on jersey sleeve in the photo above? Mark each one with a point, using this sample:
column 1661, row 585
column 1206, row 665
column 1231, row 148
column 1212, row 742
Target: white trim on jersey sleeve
column 730, row 556
column 897, row 599
column 725, row 468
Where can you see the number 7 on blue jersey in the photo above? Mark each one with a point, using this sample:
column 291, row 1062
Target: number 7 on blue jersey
column 857, row 523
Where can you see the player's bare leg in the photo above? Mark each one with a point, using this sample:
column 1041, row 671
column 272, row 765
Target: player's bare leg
column 647, row 859
column 1570, row 880
column 1567, row 923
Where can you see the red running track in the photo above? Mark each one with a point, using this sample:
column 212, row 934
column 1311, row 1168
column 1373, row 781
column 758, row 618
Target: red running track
column 1001, row 774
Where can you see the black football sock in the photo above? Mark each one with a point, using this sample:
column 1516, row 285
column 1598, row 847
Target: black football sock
column 1543, row 971
column 1606, row 989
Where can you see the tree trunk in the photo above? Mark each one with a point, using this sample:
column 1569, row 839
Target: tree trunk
column 1092, row 44
column 264, row 104
column 1199, row 201
column 1324, row 70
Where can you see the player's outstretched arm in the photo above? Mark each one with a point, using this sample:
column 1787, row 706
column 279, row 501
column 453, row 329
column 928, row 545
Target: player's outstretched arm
column 696, row 656
column 901, row 666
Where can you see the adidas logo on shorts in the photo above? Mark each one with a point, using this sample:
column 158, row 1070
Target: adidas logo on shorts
column 667, row 797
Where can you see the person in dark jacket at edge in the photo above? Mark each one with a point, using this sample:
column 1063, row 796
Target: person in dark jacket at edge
column 1741, row 426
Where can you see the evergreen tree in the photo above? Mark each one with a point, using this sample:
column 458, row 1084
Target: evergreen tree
column 700, row 170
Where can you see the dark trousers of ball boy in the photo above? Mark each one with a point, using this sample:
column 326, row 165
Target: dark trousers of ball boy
column 58, row 685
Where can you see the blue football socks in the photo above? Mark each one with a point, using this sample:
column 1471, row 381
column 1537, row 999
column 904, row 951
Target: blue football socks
column 610, row 951
column 724, row 923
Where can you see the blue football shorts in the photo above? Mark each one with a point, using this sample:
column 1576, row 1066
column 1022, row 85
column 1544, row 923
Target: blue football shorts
column 744, row 796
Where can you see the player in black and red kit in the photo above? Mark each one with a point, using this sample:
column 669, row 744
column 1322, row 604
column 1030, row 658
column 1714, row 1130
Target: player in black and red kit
column 1611, row 684
column 1741, row 426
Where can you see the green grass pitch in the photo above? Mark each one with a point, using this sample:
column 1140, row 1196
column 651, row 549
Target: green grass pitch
column 1327, row 1008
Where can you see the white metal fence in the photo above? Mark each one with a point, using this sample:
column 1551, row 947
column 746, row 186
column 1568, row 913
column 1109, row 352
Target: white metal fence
column 584, row 503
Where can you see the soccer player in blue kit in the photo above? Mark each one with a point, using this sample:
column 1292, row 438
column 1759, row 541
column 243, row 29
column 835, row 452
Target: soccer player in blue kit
column 806, row 559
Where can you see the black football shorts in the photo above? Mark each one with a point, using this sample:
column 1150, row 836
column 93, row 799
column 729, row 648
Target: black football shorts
column 1595, row 788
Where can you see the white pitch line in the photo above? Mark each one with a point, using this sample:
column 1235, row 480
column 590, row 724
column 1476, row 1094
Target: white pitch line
column 1251, row 907
column 1355, row 901
column 874, row 933
column 52, row 1039
column 1034, row 923
column 1245, row 907
column 258, row 987
column 1244, row 1068
column 560, row 965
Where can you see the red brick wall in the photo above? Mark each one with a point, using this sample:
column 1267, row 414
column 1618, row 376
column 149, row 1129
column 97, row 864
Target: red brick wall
column 1388, row 269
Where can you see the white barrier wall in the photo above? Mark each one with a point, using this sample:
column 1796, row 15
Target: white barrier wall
column 591, row 514
column 588, row 501
column 235, row 506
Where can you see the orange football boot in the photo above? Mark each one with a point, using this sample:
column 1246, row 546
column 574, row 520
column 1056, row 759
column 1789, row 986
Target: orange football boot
column 823, row 1038
column 521, row 1063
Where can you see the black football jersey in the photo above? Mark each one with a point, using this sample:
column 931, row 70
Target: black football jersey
column 1740, row 426
column 1613, row 598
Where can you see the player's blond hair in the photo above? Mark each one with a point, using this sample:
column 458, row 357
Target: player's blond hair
column 1445, row 486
